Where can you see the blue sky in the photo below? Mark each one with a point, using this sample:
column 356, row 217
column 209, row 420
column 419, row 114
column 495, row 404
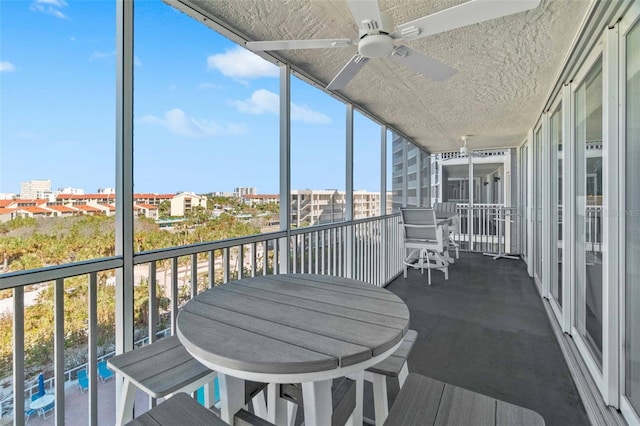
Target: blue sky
column 205, row 110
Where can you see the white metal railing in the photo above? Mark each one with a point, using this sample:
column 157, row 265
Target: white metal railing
column 366, row 249
column 488, row 228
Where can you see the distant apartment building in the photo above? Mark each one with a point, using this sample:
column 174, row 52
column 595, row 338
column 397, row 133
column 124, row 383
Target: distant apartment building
column 7, row 195
column 257, row 199
column 409, row 174
column 314, row 207
column 184, row 202
column 241, row 191
column 35, row 189
column 70, row 190
column 106, row 191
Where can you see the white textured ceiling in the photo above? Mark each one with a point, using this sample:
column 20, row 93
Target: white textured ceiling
column 506, row 67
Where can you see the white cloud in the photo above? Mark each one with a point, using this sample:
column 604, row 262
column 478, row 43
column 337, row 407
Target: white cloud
column 101, row 55
column 307, row 115
column 263, row 101
column 240, row 63
column 50, row 7
column 6, row 66
column 177, row 122
column 137, row 62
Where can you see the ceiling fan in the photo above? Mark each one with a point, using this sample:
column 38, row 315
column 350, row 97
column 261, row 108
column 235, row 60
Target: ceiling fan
column 377, row 35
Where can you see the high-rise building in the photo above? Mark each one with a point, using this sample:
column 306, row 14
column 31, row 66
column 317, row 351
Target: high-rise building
column 35, row 189
column 241, row 191
column 409, row 175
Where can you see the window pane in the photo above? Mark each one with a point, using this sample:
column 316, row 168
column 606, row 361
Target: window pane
column 588, row 220
column 318, row 156
column 57, row 129
column 537, row 166
column 206, row 133
column 632, row 221
column 366, row 167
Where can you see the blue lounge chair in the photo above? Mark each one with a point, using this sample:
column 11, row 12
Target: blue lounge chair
column 47, row 408
column 27, row 410
column 83, row 380
column 104, row 372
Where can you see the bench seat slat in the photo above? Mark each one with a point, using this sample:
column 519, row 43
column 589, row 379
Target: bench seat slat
column 178, row 410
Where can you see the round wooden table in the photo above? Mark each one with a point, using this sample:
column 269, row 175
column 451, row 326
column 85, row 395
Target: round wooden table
column 297, row 328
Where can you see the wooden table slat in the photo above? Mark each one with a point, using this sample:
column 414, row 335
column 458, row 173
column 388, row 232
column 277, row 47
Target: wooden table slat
column 242, row 350
column 366, row 304
column 341, row 311
column 509, row 414
column 417, row 404
column 332, row 286
column 463, row 407
column 347, row 353
column 379, row 338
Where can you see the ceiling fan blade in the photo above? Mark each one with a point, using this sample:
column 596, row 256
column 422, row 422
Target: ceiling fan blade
column 471, row 12
column 257, row 46
column 418, row 62
column 347, row 72
column 366, row 14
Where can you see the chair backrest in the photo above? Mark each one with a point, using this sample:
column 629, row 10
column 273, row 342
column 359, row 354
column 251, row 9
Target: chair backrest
column 448, row 207
column 83, row 380
column 419, row 223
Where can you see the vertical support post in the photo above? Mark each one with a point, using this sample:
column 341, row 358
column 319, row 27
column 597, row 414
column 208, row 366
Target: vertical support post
column 568, row 174
column 546, row 206
column 384, row 235
column 470, row 213
column 18, row 355
column 93, row 349
column 124, row 181
column 405, row 170
column 285, row 168
column 530, row 195
column 611, row 222
column 419, row 177
column 58, row 349
column 350, row 243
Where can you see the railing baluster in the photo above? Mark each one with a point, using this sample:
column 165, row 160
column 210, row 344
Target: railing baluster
column 253, row 259
column 153, row 303
column 58, row 301
column 18, row 355
column 194, row 275
column 265, row 257
column 174, row 293
column 212, row 268
column 225, row 265
column 317, row 252
column 93, row 348
column 240, row 262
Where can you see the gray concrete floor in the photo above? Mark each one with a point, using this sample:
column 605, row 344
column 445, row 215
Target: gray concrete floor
column 485, row 329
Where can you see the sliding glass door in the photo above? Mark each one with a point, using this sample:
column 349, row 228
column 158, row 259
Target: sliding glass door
column 537, row 200
column 588, row 213
column 632, row 220
column 556, row 261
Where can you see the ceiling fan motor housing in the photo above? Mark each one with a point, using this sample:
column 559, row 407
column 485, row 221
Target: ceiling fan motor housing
column 375, row 46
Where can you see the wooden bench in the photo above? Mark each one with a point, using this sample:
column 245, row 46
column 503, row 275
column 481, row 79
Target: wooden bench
column 423, row 401
column 181, row 409
column 159, row 369
column 343, row 399
column 394, row 366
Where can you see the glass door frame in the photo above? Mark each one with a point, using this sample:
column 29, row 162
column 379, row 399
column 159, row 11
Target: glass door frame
column 606, row 375
column 631, row 18
column 552, row 229
column 538, row 185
